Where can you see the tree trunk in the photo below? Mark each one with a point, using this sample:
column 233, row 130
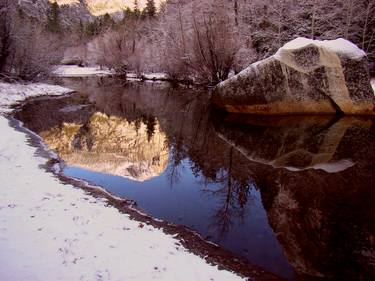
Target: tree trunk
column 236, row 12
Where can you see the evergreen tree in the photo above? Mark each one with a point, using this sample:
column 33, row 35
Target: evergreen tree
column 53, row 18
column 137, row 11
column 150, row 8
column 127, row 14
column 108, row 21
column 93, row 28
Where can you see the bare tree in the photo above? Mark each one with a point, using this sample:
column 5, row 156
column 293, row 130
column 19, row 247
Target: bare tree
column 204, row 41
column 27, row 50
column 5, row 33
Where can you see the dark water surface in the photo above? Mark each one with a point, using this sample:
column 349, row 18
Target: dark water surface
column 294, row 195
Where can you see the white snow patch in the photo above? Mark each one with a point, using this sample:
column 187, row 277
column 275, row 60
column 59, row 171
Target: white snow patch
column 339, row 46
column 11, row 94
column 54, row 231
column 155, row 76
column 77, row 71
column 150, row 76
column 373, row 84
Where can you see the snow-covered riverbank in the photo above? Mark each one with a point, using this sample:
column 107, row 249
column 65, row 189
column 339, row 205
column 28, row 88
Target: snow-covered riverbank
column 11, row 94
column 53, row 231
column 71, row 71
column 77, row 71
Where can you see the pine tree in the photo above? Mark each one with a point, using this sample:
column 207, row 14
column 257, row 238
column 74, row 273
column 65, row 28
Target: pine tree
column 81, row 29
column 150, row 8
column 127, row 14
column 107, row 21
column 93, row 28
column 53, row 18
column 137, row 11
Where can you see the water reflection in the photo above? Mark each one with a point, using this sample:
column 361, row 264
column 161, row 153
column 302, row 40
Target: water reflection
column 110, row 144
column 290, row 194
column 294, row 144
column 324, row 214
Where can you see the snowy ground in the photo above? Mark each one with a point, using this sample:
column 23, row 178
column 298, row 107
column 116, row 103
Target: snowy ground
column 13, row 93
column 151, row 76
column 76, row 71
column 53, row 231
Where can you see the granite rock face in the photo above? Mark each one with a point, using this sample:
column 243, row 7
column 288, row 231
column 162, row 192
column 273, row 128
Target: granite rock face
column 304, row 77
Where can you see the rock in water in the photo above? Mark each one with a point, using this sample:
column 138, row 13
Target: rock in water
column 304, row 77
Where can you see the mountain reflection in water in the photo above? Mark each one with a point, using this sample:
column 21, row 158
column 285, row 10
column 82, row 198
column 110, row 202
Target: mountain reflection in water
column 112, row 145
column 294, row 195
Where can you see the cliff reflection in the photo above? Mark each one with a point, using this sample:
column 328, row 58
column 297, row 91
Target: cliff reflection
column 111, row 145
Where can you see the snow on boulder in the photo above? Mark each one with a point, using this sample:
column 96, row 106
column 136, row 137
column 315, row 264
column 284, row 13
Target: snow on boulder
column 339, row 46
column 305, row 76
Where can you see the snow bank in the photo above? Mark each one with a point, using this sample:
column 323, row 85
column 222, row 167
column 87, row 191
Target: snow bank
column 11, row 94
column 156, row 76
column 339, row 46
column 54, row 231
column 76, row 71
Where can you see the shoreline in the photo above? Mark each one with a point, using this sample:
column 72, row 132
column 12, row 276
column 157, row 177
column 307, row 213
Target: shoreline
column 189, row 238
column 74, row 71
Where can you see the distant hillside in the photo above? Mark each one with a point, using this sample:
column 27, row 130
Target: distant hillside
column 100, row 7
column 71, row 14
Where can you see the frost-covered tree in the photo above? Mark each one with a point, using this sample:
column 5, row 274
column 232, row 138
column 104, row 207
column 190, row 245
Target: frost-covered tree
column 136, row 10
column 5, row 33
column 27, row 50
column 53, row 18
column 271, row 23
column 150, row 8
column 205, row 40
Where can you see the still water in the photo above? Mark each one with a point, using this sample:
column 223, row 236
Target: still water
column 294, row 195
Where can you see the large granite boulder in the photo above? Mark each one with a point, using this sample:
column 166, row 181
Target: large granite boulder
column 74, row 56
column 305, row 76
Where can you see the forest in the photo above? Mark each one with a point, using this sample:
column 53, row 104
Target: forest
column 203, row 42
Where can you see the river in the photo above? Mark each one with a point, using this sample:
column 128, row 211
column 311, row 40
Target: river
column 293, row 195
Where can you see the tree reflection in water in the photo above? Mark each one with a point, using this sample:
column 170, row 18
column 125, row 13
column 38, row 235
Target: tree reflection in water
column 234, row 197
